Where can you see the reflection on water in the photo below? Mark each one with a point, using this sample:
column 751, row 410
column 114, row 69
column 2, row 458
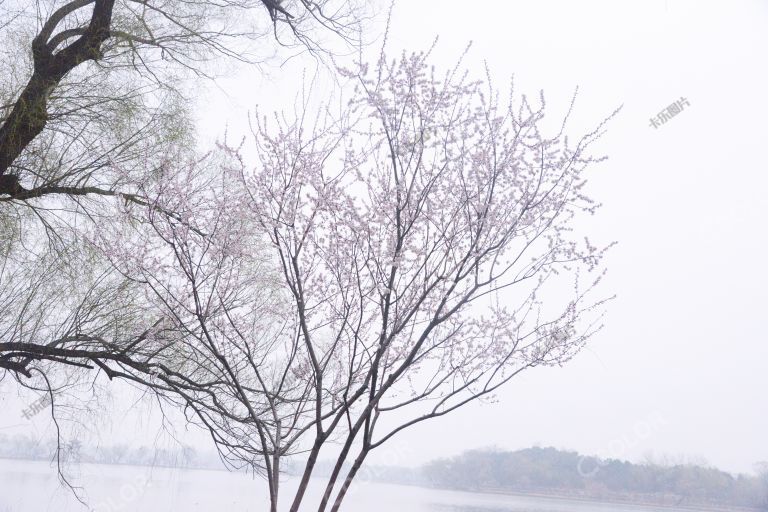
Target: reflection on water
column 27, row 486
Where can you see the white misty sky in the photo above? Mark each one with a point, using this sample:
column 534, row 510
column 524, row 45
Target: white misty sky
column 680, row 367
column 685, row 341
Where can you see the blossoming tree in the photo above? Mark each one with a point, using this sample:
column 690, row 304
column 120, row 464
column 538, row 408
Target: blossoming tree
column 379, row 266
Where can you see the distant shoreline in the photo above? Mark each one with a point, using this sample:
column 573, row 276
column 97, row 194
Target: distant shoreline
column 125, row 464
column 538, row 494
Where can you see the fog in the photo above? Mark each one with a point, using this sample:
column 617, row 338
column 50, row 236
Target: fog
column 683, row 339
column 677, row 374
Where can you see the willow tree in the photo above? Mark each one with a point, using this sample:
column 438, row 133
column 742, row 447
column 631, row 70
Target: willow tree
column 95, row 100
column 92, row 102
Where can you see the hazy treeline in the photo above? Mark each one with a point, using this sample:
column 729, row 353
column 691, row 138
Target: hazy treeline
column 21, row 446
column 532, row 470
column 549, row 470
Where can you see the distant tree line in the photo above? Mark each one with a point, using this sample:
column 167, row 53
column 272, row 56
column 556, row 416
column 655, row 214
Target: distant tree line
column 532, row 470
column 552, row 471
column 22, row 446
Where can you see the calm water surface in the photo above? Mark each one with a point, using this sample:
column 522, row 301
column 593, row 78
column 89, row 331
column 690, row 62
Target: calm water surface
column 27, row 486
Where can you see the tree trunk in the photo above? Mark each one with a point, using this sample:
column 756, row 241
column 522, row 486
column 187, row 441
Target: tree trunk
column 348, row 481
column 30, row 112
column 337, row 468
column 26, row 120
column 274, row 491
column 311, row 461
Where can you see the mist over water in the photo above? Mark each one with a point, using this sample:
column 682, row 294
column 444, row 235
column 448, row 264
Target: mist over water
column 32, row 486
column 152, row 326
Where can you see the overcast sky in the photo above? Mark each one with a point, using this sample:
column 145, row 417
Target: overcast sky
column 680, row 367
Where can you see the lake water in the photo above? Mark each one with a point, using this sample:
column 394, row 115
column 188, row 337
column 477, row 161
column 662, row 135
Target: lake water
column 27, row 486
